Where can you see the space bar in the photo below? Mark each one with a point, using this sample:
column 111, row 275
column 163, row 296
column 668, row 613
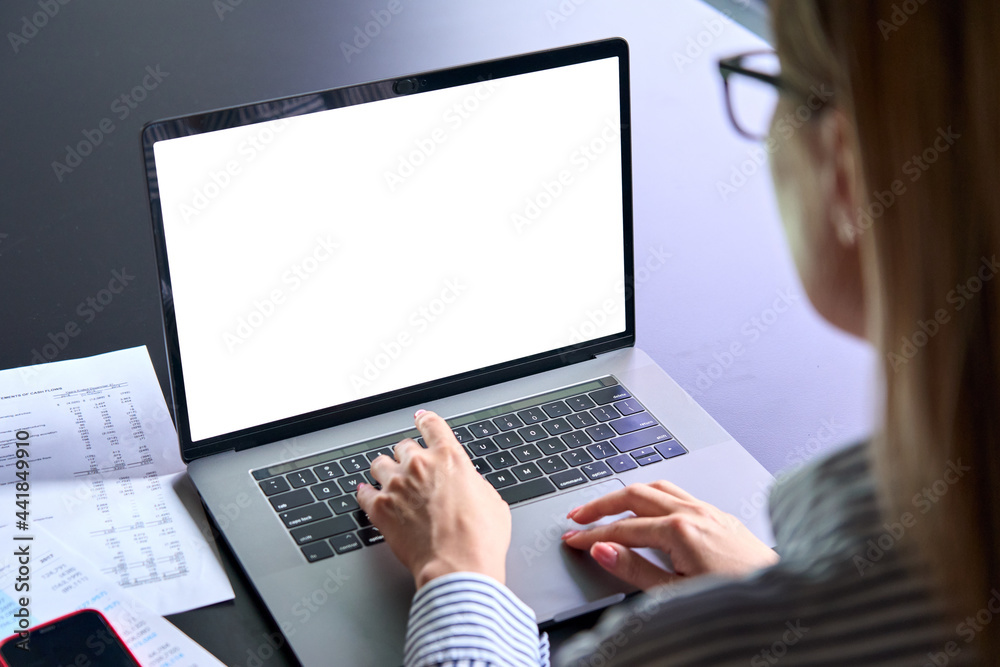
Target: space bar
column 526, row 491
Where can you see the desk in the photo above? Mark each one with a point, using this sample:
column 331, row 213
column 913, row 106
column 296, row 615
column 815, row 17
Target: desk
column 797, row 389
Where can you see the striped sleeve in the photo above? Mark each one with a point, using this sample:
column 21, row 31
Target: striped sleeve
column 470, row 620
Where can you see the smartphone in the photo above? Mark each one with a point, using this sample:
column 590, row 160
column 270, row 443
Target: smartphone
column 81, row 639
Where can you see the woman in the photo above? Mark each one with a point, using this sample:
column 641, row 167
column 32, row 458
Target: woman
column 889, row 195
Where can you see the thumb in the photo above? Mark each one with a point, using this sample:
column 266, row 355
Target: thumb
column 629, row 566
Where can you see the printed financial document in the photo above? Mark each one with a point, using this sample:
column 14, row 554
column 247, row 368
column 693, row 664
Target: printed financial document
column 63, row 581
column 105, row 476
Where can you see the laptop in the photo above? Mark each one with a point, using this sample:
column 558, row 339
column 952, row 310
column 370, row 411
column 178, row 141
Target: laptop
column 460, row 241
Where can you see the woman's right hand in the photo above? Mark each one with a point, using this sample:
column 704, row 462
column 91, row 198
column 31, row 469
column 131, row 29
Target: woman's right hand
column 699, row 537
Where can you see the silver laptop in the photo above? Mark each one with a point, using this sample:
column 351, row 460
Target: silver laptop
column 461, row 241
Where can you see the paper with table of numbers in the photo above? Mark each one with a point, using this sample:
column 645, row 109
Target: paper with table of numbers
column 63, row 581
column 104, row 475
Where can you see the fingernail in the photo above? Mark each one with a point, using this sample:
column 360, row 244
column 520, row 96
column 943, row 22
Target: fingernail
column 569, row 533
column 418, row 413
column 572, row 512
column 605, row 554
column 360, row 485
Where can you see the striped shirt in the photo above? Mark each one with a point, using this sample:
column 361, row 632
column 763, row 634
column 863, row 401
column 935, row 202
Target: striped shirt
column 847, row 591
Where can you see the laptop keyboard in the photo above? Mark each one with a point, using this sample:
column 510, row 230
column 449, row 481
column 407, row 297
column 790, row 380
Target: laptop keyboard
column 526, row 449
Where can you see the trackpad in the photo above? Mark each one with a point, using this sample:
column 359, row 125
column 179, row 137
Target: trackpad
column 550, row 577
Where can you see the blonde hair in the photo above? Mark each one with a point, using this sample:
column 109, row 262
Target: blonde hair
column 919, row 81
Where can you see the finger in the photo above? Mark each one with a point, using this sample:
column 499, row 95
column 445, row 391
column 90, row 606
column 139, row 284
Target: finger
column 383, row 467
column 435, row 430
column 642, row 499
column 672, row 489
column 632, row 532
column 629, row 566
column 404, row 449
column 366, row 495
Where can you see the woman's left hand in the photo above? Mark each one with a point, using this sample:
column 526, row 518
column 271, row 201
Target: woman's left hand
column 699, row 537
column 436, row 512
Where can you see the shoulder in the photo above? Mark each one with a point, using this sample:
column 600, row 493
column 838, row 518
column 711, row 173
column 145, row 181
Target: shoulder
column 827, row 614
column 830, row 505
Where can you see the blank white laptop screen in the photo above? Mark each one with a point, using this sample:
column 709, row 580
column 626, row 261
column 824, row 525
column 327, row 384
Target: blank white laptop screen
column 335, row 256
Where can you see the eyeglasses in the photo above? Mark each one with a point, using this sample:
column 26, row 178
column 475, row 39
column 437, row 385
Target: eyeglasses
column 753, row 86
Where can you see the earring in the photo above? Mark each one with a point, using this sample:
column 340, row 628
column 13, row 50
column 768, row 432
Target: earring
column 847, row 233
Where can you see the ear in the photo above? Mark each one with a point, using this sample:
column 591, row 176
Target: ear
column 836, row 283
column 839, row 178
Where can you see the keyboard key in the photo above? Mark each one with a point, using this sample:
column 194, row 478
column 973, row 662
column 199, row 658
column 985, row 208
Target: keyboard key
column 481, row 466
column 526, row 471
column 577, row 457
column 600, row 432
column 274, row 485
column 508, row 422
column 605, row 413
column 557, row 427
column 556, row 409
column 325, row 490
column 501, row 460
column 642, row 452
column 581, row 420
column 371, row 456
column 507, row 440
column 350, row 483
column 552, row 464
column 320, row 530
column 621, row 463
column 371, row 480
column 287, row 501
column 668, row 450
column 581, row 402
column 355, row 463
column 633, row 423
column 564, row 480
column 551, row 446
column 602, row 450
column 527, row 491
column 483, row 429
column 500, row 479
column 306, row 514
column 609, row 394
column 576, row 439
column 371, row 536
column 526, row 453
column 596, row 470
column 317, row 551
column 649, row 436
column 301, row 478
column 532, row 433
column 328, row 471
column 344, row 504
column 483, row 447
column 362, row 519
column 532, row 415
column 652, row 458
column 629, row 406
column 344, row 543
column 462, row 434
column 467, row 451
column 420, row 441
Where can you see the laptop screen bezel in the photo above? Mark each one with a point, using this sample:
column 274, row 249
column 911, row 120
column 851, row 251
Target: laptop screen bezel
column 360, row 94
